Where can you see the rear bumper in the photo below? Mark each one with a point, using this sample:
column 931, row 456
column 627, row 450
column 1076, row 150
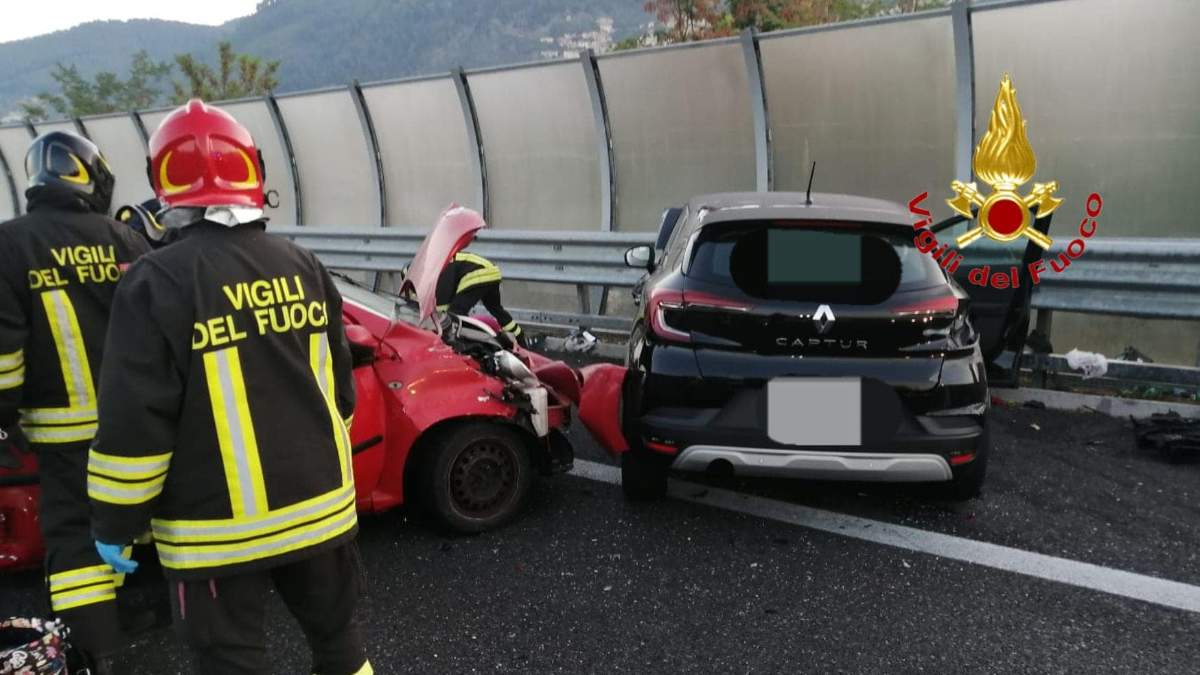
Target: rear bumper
column 920, row 450
column 820, row 465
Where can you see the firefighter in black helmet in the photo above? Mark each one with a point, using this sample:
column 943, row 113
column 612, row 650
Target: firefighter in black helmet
column 143, row 218
column 59, row 267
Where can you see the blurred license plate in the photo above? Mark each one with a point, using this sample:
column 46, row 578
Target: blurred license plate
column 815, row 411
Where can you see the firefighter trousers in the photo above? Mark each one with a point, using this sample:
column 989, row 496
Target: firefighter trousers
column 82, row 587
column 489, row 295
column 223, row 620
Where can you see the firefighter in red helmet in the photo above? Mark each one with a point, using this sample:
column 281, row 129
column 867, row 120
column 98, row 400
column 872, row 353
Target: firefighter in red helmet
column 225, row 403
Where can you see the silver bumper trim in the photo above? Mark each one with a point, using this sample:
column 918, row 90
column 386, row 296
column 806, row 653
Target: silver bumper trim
column 862, row 466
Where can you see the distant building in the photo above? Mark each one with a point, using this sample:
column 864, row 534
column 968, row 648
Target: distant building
column 571, row 45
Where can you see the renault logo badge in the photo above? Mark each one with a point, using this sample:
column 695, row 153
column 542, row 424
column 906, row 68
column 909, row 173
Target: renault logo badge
column 824, row 318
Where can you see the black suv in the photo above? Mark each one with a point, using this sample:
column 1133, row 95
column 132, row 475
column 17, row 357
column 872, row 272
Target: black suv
column 782, row 337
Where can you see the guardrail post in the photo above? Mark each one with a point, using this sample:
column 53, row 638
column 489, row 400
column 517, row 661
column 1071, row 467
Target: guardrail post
column 763, row 175
column 964, row 91
column 140, row 126
column 474, row 139
column 603, row 133
column 368, row 127
column 12, row 185
column 597, row 296
column 30, row 128
column 80, row 128
column 286, row 141
column 1045, row 318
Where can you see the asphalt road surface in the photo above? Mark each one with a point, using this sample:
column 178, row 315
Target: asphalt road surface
column 584, row 582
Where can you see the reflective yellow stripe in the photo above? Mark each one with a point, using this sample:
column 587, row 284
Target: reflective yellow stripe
column 216, row 531
column 79, row 576
column 365, row 670
column 349, row 422
column 118, row 492
column 58, row 415
column 235, row 432
column 12, row 360
column 464, row 256
column 510, row 326
column 442, row 308
column 81, row 586
column 201, row 556
column 119, row 577
column 322, row 367
column 482, row 276
column 77, row 421
column 88, row 595
column 127, row 468
column 75, row 433
column 13, row 378
column 72, row 354
column 516, row 330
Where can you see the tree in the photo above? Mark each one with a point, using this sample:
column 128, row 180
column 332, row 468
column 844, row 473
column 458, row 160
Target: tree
column 236, row 76
column 686, row 20
column 105, row 93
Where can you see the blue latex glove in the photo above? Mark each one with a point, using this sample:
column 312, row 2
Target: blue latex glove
column 111, row 554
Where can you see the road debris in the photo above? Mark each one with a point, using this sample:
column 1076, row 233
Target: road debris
column 1091, row 363
column 1176, row 437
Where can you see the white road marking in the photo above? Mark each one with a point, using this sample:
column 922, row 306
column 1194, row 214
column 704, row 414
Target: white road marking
column 1063, row 570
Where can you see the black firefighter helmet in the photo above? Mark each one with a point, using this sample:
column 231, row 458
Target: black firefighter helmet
column 64, row 163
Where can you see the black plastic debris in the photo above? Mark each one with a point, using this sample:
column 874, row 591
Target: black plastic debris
column 1176, row 437
column 1134, row 354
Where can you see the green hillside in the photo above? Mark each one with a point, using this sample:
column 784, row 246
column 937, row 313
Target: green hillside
column 324, row 42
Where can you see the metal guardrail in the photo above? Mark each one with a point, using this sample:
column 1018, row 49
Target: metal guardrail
column 1144, row 278
column 1135, row 277
column 558, row 257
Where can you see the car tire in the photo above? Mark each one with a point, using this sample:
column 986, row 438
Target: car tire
column 477, row 476
column 644, row 475
column 967, row 482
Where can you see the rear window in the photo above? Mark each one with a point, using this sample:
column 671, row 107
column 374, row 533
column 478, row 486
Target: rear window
column 843, row 262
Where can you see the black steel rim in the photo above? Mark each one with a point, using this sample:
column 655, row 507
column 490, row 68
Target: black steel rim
column 483, row 479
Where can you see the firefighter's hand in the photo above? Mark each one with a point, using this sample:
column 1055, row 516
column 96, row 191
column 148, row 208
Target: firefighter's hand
column 111, row 554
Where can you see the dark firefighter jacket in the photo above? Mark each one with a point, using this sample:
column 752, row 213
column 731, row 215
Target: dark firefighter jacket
column 464, row 272
column 224, row 405
column 59, row 267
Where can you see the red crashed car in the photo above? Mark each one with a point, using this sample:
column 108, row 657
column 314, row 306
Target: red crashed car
column 451, row 412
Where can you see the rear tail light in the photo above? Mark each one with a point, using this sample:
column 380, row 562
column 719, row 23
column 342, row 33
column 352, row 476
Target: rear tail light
column 661, row 448
column 941, row 306
column 661, row 301
column 665, row 300
column 961, row 457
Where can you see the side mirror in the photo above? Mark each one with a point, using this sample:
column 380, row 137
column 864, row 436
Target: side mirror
column 640, row 256
column 362, row 345
column 358, row 335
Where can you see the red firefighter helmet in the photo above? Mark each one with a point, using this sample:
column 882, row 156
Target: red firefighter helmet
column 201, row 156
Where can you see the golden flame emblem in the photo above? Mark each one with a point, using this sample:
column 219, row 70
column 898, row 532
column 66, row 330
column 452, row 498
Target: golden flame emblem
column 1005, row 161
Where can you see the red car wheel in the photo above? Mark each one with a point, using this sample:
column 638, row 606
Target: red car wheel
column 478, row 476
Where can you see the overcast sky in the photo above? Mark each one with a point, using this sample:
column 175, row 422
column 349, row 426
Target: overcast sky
column 26, row 18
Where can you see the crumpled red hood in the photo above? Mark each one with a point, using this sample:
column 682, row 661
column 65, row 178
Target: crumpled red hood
column 454, row 230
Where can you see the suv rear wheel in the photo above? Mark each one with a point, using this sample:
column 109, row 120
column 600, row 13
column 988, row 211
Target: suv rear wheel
column 644, row 475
